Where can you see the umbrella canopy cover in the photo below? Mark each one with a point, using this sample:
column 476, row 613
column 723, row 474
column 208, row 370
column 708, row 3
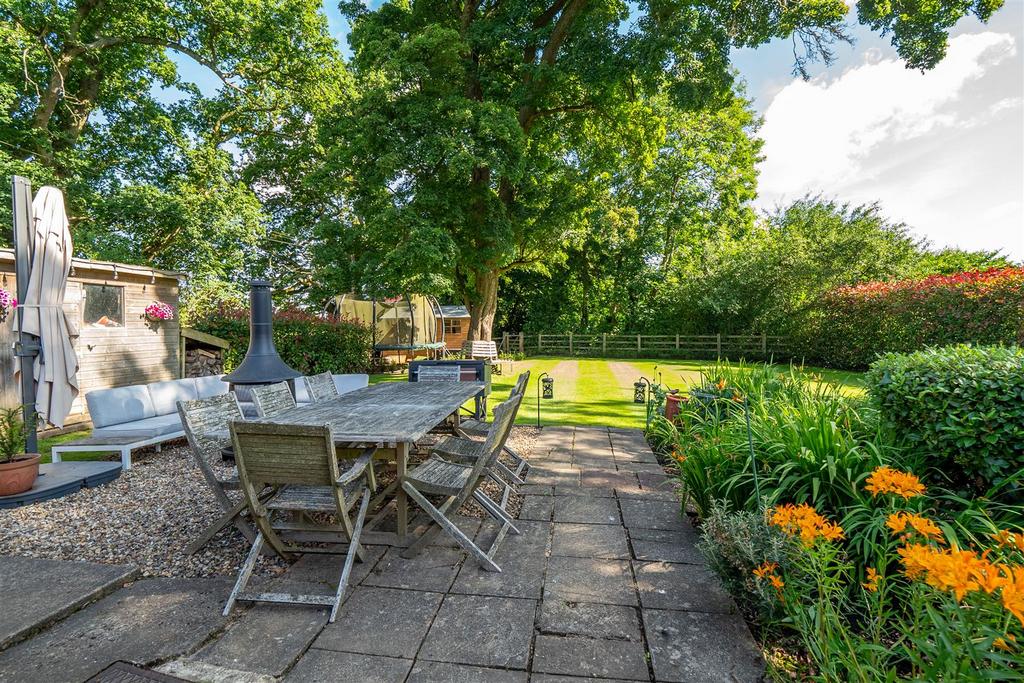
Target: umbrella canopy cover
column 56, row 367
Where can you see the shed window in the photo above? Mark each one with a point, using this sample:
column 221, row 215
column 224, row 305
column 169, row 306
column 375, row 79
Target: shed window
column 104, row 306
column 452, row 326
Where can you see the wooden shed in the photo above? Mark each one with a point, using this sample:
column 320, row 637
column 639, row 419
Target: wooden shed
column 116, row 345
column 455, row 326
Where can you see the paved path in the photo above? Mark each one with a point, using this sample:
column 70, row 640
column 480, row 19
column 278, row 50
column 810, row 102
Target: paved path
column 604, row 582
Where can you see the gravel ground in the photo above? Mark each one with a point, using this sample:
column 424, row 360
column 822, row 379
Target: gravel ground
column 149, row 515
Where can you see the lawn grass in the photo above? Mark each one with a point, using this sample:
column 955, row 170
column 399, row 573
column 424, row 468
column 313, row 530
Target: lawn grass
column 46, row 444
column 599, row 392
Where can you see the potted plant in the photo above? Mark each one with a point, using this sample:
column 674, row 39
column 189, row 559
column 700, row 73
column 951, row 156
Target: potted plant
column 18, row 469
column 158, row 312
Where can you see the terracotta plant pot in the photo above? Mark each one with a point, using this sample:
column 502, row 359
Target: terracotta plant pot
column 672, row 402
column 18, row 475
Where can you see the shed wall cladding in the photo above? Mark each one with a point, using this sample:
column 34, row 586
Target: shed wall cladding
column 135, row 352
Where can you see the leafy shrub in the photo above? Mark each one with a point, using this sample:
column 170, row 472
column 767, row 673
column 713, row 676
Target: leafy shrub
column 736, row 543
column 851, row 326
column 306, row 342
column 962, row 405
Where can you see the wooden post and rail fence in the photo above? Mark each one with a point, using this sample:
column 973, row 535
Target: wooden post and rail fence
column 732, row 346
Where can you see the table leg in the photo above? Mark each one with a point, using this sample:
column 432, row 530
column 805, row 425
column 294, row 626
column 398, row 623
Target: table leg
column 402, row 499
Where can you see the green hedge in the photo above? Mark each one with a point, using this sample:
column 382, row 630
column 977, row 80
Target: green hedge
column 307, row 343
column 964, row 405
column 851, row 326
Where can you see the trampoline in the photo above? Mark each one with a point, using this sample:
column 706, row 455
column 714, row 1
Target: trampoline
column 406, row 325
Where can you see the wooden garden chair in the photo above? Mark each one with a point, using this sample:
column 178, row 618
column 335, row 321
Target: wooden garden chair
column 321, row 387
column 205, row 422
column 272, row 399
column 479, row 428
column 300, row 463
column 459, row 482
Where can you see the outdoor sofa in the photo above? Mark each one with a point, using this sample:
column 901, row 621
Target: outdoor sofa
column 125, row 419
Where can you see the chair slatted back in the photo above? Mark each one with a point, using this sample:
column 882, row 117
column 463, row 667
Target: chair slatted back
column 520, row 387
column 497, row 435
column 321, row 387
column 276, row 454
column 272, row 399
column 486, row 350
column 205, row 422
column 438, row 373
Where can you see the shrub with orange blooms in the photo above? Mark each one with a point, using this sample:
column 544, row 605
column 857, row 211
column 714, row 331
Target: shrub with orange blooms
column 888, row 480
column 804, row 522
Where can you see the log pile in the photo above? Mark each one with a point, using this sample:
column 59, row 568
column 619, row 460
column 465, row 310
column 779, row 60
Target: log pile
column 203, row 362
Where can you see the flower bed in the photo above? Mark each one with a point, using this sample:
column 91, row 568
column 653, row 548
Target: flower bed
column 847, row 553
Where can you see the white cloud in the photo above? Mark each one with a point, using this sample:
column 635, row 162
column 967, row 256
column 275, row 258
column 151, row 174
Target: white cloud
column 941, row 150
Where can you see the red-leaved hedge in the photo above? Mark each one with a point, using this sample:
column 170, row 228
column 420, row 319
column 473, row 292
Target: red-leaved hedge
column 850, row 326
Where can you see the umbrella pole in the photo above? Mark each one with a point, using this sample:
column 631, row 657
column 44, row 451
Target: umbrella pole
column 27, row 347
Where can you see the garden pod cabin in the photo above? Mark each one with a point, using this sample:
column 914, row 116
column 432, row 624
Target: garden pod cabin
column 115, row 343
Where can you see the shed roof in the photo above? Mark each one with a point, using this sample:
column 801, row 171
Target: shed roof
column 453, row 311
column 7, row 256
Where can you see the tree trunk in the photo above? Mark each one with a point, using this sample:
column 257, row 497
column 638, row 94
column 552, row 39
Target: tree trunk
column 483, row 308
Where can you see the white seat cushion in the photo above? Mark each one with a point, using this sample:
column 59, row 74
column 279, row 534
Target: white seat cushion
column 211, row 385
column 123, row 404
column 148, row 428
column 166, row 395
column 351, row 382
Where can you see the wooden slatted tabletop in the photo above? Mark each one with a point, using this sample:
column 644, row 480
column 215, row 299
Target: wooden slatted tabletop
column 385, row 414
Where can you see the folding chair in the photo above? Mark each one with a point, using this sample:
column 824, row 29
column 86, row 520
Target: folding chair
column 479, row 429
column 460, row 482
column 321, row 387
column 205, row 422
column 272, row 399
column 301, row 463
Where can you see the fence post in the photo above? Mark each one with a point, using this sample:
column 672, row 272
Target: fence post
column 504, row 342
column 540, row 338
column 638, row 343
column 521, row 342
column 718, row 344
column 570, row 343
column 764, row 343
column 677, row 342
column 604, row 343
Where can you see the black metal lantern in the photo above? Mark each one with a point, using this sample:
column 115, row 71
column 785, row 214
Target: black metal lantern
column 548, row 387
column 639, row 392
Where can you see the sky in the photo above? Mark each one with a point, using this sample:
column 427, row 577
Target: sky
column 942, row 151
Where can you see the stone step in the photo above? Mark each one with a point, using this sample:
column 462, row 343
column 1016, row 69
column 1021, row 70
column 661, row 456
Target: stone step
column 39, row 592
column 149, row 621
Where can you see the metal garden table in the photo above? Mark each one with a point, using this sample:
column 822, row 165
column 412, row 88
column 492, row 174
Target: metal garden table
column 392, row 415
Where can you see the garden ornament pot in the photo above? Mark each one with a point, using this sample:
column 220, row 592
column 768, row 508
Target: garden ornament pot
column 19, row 475
column 672, row 401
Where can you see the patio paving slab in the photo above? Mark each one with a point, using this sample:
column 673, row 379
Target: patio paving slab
column 567, row 618
column 555, row 678
column 603, row 541
column 522, row 560
column 691, row 646
column 324, row 666
column 38, row 592
column 443, row 672
column 150, row 620
column 267, row 639
column 579, row 579
column 432, row 570
column 657, row 545
column 685, row 587
column 485, row 631
column 652, row 514
column 590, row 657
column 381, row 621
column 586, row 510
column 537, row 507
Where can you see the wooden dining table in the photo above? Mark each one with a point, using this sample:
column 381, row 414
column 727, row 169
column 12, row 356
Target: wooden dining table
column 391, row 415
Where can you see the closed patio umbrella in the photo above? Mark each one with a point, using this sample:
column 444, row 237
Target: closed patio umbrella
column 55, row 370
